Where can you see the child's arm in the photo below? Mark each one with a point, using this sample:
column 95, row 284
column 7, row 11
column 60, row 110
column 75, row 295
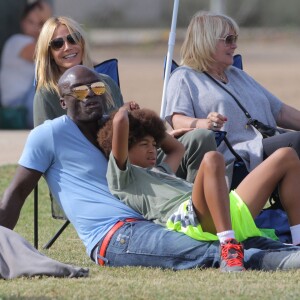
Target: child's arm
column 121, row 133
column 174, row 151
column 120, row 137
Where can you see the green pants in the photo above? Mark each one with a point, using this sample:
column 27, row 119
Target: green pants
column 196, row 142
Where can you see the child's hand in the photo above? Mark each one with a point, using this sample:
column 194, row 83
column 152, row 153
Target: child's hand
column 132, row 105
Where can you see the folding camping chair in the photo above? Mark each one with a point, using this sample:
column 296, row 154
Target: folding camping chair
column 108, row 67
column 237, row 62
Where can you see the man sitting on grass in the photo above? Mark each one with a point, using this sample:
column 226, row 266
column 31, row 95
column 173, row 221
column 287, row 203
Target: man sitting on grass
column 66, row 152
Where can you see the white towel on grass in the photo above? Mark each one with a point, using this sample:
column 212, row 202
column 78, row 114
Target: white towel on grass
column 19, row 258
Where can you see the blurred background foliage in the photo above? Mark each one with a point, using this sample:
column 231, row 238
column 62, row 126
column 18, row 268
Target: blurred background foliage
column 155, row 13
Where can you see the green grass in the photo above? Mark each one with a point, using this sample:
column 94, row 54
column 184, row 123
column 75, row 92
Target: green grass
column 129, row 282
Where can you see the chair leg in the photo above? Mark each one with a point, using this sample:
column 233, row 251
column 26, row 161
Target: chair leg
column 57, row 234
column 35, row 217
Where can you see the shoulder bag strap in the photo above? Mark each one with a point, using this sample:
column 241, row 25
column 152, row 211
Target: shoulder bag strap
column 240, row 106
column 234, row 98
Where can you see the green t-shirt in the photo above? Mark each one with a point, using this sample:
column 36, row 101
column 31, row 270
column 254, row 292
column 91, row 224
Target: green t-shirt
column 155, row 193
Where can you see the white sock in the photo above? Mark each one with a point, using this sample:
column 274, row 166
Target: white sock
column 224, row 235
column 295, row 231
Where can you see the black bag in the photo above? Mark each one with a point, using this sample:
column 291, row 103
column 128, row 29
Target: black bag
column 265, row 130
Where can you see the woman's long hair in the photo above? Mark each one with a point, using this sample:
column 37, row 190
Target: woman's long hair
column 47, row 71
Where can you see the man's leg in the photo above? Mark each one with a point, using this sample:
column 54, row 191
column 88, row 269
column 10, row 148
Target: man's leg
column 196, row 142
column 144, row 243
column 288, row 139
column 269, row 255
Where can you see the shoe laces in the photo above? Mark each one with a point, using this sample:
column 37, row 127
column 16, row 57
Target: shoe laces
column 233, row 253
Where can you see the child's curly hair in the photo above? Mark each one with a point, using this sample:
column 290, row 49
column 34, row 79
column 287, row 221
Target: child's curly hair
column 142, row 122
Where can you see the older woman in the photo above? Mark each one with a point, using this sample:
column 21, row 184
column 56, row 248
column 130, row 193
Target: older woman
column 201, row 93
column 62, row 44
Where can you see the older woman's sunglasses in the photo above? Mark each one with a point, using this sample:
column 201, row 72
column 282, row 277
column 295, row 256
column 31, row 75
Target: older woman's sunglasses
column 58, row 43
column 229, row 39
column 81, row 92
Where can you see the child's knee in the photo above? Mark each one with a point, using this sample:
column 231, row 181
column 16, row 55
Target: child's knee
column 286, row 154
column 213, row 161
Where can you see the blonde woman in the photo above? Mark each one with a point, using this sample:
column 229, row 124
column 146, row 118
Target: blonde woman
column 62, row 44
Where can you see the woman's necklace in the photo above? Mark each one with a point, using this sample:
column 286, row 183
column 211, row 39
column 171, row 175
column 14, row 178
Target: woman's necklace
column 219, row 76
column 222, row 77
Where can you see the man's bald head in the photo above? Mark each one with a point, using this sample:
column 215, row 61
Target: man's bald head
column 76, row 75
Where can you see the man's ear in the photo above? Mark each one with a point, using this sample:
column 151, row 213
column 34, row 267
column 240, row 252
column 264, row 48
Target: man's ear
column 63, row 103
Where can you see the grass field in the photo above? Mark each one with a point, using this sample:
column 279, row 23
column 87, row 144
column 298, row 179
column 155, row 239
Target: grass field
column 130, row 282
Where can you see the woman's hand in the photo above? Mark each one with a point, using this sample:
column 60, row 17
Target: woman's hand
column 215, row 121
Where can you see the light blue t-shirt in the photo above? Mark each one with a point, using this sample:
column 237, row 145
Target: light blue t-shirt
column 75, row 171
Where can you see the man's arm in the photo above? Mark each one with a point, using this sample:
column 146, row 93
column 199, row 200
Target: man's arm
column 15, row 195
